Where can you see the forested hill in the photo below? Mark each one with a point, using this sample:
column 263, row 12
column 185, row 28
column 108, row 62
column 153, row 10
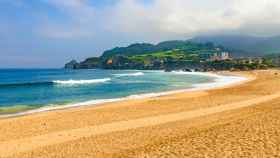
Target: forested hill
column 149, row 56
column 174, row 55
column 146, row 48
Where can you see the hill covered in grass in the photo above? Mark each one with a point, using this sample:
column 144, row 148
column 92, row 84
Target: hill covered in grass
column 168, row 54
column 174, row 55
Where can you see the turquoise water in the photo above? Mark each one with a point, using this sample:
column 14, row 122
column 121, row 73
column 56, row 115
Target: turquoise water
column 24, row 89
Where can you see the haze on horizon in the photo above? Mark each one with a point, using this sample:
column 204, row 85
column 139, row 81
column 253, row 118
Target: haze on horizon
column 47, row 33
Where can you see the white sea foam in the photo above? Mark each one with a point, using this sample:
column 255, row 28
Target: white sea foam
column 196, row 73
column 130, row 74
column 79, row 82
column 219, row 81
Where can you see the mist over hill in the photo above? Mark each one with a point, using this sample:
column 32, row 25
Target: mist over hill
column 244, row 46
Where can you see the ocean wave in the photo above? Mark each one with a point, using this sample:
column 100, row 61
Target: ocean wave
column 62, row 82
column 218, row 82
column 130, row 74
column 79, row 82
column 11, row 85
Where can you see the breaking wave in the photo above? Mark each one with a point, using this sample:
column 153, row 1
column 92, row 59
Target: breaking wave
column 79, row 82
column 130, row 74
column 61, row 82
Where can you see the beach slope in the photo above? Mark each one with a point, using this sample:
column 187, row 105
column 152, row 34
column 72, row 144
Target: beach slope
column 241, row 120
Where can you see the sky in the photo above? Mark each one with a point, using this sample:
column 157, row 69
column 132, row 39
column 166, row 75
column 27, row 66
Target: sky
column 48, row 33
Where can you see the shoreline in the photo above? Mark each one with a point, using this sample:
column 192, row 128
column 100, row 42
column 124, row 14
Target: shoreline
column 237, row 120
column 222, row 79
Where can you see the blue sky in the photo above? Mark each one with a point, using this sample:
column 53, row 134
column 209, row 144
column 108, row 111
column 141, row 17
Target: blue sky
column 48, row 33
column 23, row 43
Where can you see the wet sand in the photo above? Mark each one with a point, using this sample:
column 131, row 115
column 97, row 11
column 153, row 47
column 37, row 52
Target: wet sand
column 237, row 121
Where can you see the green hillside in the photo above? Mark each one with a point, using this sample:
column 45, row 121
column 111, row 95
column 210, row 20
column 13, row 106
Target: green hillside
column 145, row 48
column 168, row 54
column 174, row 55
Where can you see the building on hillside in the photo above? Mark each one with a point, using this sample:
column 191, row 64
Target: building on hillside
column 220, row 56
column 109, row 62
column 250, row 60
column 218, row 49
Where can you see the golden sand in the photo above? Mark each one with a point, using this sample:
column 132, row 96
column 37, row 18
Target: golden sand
column 237, row 121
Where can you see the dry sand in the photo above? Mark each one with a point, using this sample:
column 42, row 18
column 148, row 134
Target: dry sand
column 238, row 121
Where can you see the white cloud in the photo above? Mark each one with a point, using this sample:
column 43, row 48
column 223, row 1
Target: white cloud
column 165, row 18
column 80, row 19
column 178, row 16
column 260, row 17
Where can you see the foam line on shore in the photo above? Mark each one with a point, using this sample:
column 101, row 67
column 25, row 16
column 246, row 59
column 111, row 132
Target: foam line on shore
column 218, row 82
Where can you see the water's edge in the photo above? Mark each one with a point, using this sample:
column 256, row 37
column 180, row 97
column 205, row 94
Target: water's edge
column 219, row 82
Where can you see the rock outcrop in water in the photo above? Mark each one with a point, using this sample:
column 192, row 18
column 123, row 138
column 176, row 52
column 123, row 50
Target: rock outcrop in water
column 73, row 64
column 90, row 63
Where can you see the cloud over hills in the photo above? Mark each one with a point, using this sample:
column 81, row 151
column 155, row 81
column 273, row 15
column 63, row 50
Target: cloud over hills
column 65, row 29
column 165, row 17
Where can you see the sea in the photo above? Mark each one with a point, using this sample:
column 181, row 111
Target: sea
column 24, row 91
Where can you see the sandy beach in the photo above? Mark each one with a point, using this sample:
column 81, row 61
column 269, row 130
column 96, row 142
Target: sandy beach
column 240, row 120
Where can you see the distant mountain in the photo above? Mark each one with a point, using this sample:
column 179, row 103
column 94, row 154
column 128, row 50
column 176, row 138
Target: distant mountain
column 244, row 45
column 270, row 45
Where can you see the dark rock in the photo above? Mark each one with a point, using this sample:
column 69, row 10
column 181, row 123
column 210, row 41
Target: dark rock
column 72, row 65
